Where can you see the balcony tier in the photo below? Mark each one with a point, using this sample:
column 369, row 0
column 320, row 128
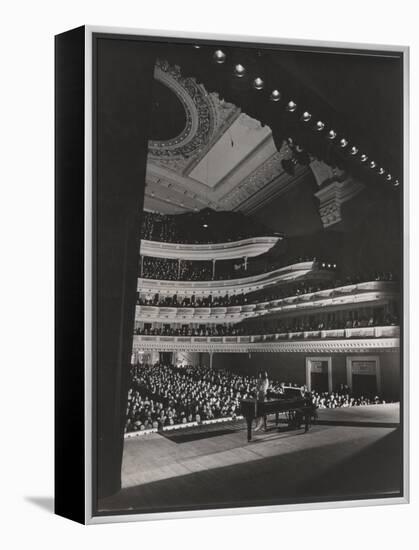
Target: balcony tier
column 288, row 273
column 325, row 341
column 372, row 293
column 217, row 251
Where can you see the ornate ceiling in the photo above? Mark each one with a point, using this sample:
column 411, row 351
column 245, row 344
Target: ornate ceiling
column 222, row 159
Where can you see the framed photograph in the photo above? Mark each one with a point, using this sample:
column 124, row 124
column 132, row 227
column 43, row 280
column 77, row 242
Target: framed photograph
column 231, row 294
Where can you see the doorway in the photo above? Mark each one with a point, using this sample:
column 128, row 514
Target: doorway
column 319, row 374
column 364, row 375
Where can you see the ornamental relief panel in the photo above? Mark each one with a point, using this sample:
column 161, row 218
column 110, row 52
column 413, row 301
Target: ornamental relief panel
column 206, row 116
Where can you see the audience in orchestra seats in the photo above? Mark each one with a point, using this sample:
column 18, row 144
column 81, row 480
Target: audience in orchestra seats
column 337, row 399
column 167, row 395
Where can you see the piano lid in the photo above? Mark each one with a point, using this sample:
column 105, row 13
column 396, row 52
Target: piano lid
column 291, row 392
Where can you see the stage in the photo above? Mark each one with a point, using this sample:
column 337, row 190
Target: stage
column 341, row 457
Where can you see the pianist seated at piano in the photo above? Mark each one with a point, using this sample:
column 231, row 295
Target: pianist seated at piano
column 262, row 386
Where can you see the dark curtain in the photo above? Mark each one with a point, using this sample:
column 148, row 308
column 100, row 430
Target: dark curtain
column 123, row 75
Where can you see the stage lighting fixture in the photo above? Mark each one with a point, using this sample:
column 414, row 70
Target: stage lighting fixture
column 258, row 83
column 275, row 95
column 239, row 70
column 219, row 56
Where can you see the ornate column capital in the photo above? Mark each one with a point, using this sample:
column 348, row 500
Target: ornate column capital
column 336, row 187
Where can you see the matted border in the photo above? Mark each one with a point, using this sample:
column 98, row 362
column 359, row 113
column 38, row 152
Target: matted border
column 242, row 41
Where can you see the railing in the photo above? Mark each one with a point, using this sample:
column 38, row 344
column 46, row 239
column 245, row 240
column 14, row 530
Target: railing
column 376, row 292
column 291, row 272
column 249, row 247
column 347, row 333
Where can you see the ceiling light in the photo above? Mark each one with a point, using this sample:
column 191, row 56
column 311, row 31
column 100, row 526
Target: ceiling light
column 205, row 225
column 291, row 106
column 239, row 70
column 372, row 164
column 275, row 95
column 332, row 134
column 381, row 171
column 396, row 183
column 389, row 177
column 343, row 142
column 258, row 83
column 319, row 125
column 219, row 56
column 306, row 116
column 364, row 158
column 354, row 150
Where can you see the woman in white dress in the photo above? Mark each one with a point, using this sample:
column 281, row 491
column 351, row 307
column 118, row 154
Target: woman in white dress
column 262, row 386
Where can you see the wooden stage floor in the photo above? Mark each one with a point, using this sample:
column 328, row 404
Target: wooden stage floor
column 349, row 453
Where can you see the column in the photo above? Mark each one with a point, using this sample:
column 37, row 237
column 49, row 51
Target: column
column 335, row 188
column 213, row 268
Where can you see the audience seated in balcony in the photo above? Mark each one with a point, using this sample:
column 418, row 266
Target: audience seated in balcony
column 204, row 227
column 168, row 269
column 268, row 294
column 349, row 320
column 185, row 330
column 285, row 326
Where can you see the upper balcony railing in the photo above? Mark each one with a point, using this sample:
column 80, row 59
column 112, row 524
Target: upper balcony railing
column 245, row 248
column 244, row 284
column 207, row 226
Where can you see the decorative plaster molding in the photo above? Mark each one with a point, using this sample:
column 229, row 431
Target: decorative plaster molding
column 321, row 346
column 206, row 117
column 333, row 196
column 217, row 251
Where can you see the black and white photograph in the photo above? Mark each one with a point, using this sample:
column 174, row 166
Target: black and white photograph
column 249, row 262
column 209, row 262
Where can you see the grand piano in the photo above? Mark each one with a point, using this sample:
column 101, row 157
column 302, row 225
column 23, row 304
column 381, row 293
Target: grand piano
column 291, row 402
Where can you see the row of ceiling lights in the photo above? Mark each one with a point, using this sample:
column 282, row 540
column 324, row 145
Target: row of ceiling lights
column 275, row 96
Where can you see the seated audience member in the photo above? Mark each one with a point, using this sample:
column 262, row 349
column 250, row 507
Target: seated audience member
column 168, row 395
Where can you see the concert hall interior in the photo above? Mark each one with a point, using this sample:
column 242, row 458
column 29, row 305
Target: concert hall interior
column 269, row 241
